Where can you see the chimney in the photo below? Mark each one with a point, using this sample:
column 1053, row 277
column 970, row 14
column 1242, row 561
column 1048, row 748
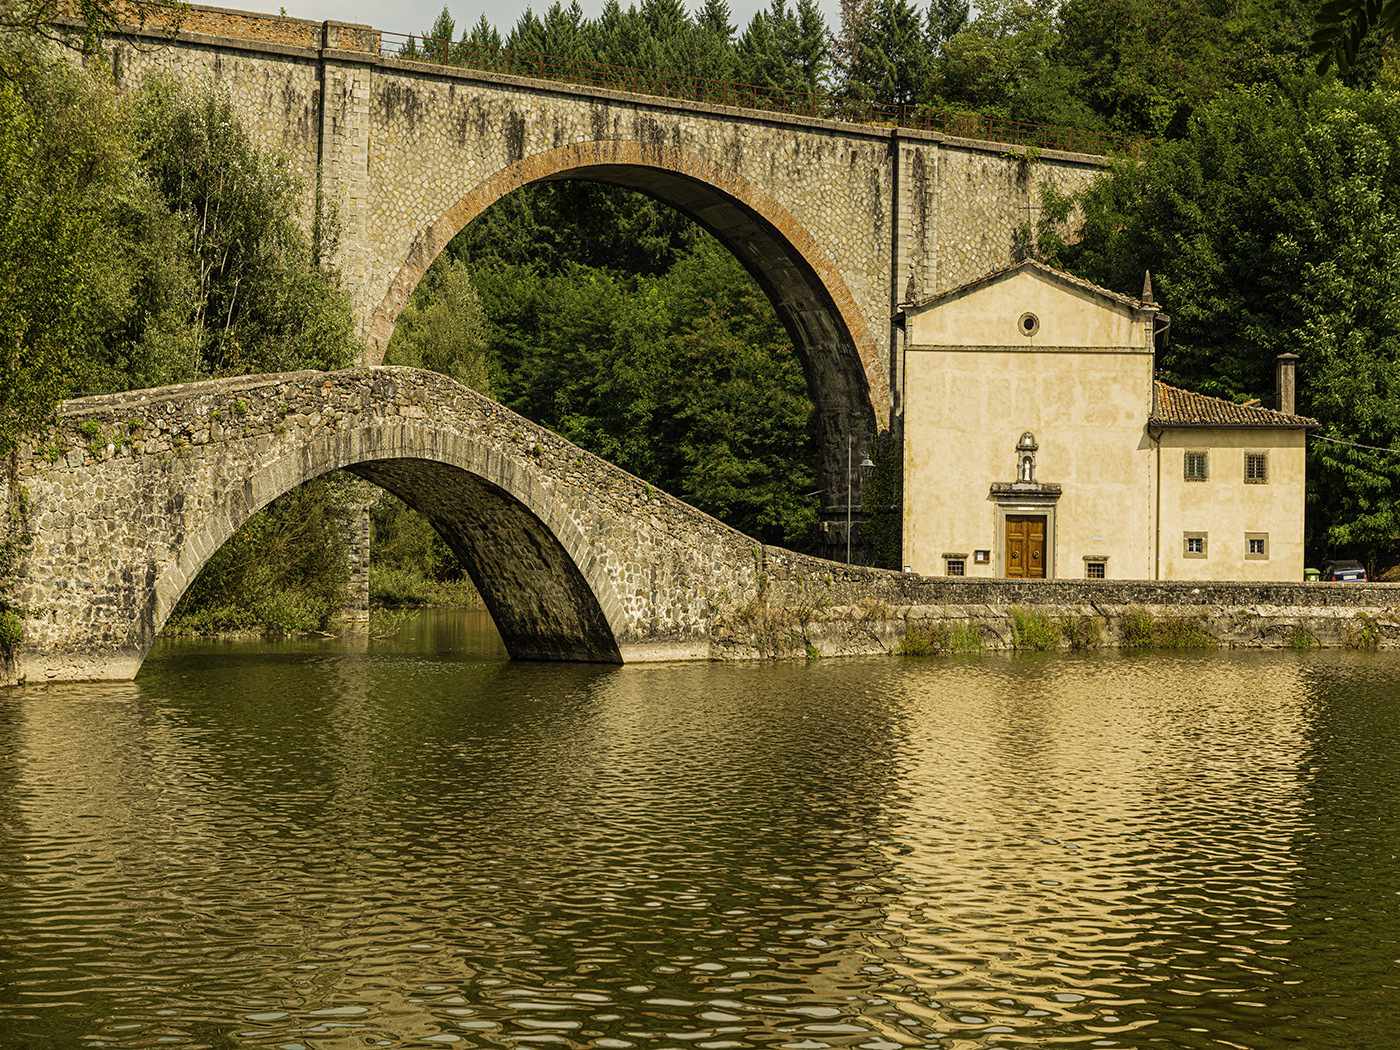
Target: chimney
column 1287, row 367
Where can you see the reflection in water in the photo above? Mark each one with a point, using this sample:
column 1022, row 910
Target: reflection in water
column 417, row 842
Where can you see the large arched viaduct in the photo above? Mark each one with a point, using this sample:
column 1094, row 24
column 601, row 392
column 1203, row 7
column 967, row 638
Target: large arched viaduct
column 837, row 221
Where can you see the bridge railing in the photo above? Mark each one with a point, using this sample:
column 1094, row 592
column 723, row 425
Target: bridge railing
column 586, row 72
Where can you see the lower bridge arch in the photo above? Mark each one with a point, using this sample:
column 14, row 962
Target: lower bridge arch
column 543, row 588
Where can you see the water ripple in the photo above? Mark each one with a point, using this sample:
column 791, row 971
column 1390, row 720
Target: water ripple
column 292, row 845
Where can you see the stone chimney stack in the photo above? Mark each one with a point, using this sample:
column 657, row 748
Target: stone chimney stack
column 1287, row 365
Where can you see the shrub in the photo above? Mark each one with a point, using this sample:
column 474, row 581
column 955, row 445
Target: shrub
column 1136, row 628
column 1301, row 638
column 1033, row 630
column 929, row 639
column 11, row 630
column 922, row 640
column 1080, row 630
column 1182, row 632
column 1365, row 633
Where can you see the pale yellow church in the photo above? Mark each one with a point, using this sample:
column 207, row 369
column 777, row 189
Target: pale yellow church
column 1039, row 445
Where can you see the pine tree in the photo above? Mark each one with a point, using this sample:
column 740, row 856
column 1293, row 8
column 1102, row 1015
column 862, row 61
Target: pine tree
column 893, row 66
column 437, row 41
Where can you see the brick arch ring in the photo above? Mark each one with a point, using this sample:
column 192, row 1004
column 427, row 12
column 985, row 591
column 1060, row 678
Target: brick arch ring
column 808, row 291
column 500, row 516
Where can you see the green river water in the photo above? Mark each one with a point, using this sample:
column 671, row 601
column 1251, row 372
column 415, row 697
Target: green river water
column 415, row 842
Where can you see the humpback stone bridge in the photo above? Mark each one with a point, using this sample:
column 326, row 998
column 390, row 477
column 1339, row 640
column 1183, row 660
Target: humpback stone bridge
column 836, row 221
column 577, row 560
column 128, row 496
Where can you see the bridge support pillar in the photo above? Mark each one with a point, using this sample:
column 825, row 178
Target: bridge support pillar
column 355, row 612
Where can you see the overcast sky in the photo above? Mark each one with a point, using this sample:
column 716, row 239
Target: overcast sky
column 414, row 16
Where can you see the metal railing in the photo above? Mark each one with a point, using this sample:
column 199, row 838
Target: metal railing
column 748, row 96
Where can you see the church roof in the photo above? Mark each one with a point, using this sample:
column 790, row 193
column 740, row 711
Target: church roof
column 1037, row 267
column 1173, row 407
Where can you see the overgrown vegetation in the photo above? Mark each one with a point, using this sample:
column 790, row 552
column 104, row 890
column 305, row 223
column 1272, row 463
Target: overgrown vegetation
column 1364, row 633
column 1033, row 630
column 411, row 564
column 1139, row 629
column 1299, row 637
column 1080, row 630
column 932, row 638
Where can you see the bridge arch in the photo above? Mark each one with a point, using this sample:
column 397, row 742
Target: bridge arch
column 840, row 355
column 546, row 591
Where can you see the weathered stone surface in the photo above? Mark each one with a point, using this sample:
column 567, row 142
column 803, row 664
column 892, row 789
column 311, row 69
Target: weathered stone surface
column 574, row 558
column 835, row 220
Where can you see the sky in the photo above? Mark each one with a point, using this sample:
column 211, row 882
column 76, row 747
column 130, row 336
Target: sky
column 414, row 16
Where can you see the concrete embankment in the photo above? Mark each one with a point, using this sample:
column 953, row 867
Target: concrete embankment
column 811, row 607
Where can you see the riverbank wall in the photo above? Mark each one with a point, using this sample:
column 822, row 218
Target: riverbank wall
column 808, row 607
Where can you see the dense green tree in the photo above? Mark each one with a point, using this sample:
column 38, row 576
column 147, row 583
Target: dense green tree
column 739, row 427
column 1271, row 227
column 265, row 301
column 1144, row 67
column 946, row 19
column 62, row 152
column 1002, row 53
column 892, row 63
column 438, row 38
column 443, row 328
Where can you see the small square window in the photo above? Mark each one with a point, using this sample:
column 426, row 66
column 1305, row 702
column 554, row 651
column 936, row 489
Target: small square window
column 1194, row 544
column 1095, row 570
column 957, row 567
column 1197, row 465
column 1256, row 546
column 1256, row 468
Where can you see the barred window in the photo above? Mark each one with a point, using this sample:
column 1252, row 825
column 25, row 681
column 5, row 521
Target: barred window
column 1197, row 464
column 1094, row 570
column 957, row 567
column 1256, row 468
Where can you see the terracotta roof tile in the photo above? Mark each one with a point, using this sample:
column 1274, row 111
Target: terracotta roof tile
column 1173, row 407
column 1033, row 264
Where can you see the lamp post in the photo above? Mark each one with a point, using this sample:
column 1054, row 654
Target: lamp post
column 864, row 462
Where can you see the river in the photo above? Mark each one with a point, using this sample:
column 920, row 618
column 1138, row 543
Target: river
column 412, row 841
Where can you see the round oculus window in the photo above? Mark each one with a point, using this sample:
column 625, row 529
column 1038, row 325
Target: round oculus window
column 1028, row 325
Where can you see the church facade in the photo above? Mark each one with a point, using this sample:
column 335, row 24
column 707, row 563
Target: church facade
column 1038, row 444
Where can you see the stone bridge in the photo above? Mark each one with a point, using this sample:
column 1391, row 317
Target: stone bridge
column 575, row 559
column 130, row 494
column 836, row 221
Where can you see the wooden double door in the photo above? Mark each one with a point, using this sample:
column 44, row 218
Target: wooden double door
column 1025, row 547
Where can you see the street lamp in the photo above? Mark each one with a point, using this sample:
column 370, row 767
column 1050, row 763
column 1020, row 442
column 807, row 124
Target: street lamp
column 864, row 463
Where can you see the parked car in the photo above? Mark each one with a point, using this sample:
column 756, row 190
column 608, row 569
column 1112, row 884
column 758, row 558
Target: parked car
column 1344, row 570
